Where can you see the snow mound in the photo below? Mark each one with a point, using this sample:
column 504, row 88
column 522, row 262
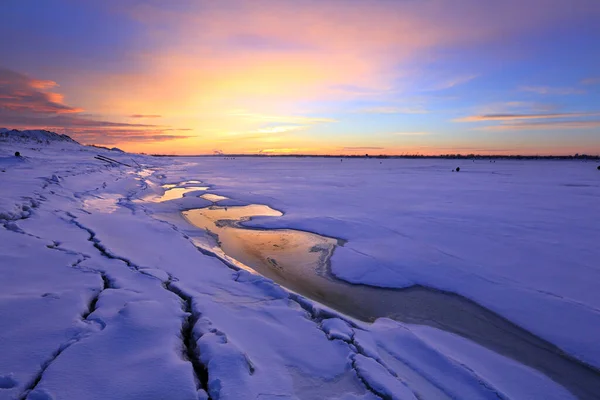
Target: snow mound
column 37, row 136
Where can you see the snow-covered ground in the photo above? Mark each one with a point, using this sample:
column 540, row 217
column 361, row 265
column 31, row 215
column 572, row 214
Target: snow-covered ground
column 518, row 237
column 105, row 294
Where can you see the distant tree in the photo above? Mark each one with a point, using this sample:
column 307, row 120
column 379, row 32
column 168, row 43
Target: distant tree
column 17, row 154
column 457, row 169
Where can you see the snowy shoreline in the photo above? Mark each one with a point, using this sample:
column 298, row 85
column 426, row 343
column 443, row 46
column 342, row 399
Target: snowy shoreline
column 109, row 294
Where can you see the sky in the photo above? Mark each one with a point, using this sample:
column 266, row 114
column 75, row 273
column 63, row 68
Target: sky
column 306, row 76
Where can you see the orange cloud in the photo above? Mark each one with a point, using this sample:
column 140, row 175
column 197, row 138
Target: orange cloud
column 290, row 119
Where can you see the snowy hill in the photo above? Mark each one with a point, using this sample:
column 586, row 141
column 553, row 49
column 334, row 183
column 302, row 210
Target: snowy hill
column 35, row 136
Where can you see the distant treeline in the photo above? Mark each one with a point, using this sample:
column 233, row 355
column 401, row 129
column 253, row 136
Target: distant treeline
column 410, row 156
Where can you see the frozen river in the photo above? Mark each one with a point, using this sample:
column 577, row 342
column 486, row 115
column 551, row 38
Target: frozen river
column 301, row 261
column 516, row 237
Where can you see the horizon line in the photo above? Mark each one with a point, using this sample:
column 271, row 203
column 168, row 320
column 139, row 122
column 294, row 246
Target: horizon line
column 448, row 155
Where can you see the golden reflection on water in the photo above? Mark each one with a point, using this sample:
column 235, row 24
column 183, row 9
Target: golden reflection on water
column 298, row 260
column 277, row 251
column 177, row 193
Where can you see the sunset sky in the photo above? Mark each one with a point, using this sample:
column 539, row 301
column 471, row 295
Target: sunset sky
column 306, row 76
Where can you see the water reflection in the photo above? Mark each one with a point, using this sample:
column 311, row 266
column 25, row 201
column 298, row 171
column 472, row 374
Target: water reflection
column 176, row 193
column 284, row 253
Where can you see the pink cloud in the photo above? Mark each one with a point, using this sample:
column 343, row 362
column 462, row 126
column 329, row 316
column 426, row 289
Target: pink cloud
column 28, row 103
column 20, row 93
column 41, row 84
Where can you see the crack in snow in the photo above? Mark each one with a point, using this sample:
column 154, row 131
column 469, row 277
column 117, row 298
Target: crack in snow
column 190, row 345
column 366, row 384
column 313, row 315
column 97, row 244
column 318, row 315
column 107, row 284
column 190, row 348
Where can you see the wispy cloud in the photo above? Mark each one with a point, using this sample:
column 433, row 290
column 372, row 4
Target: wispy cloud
column 68, row 121
column 513, row 117
column 280, row 129
column 517, row 107
column 358, row 148
column 393, row 110
column 285, row 150
column 361, row 91
column 547, row 90
column 410, row 133
column 289, row 119
column 453, row 82
column 145, row 116
column 265, row 134
column 551, row 125
column 42, row 85
column 532, row 107
column 113, row 137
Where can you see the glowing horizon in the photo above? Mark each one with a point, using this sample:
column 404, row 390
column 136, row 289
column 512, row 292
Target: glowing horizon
column 307, row 77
